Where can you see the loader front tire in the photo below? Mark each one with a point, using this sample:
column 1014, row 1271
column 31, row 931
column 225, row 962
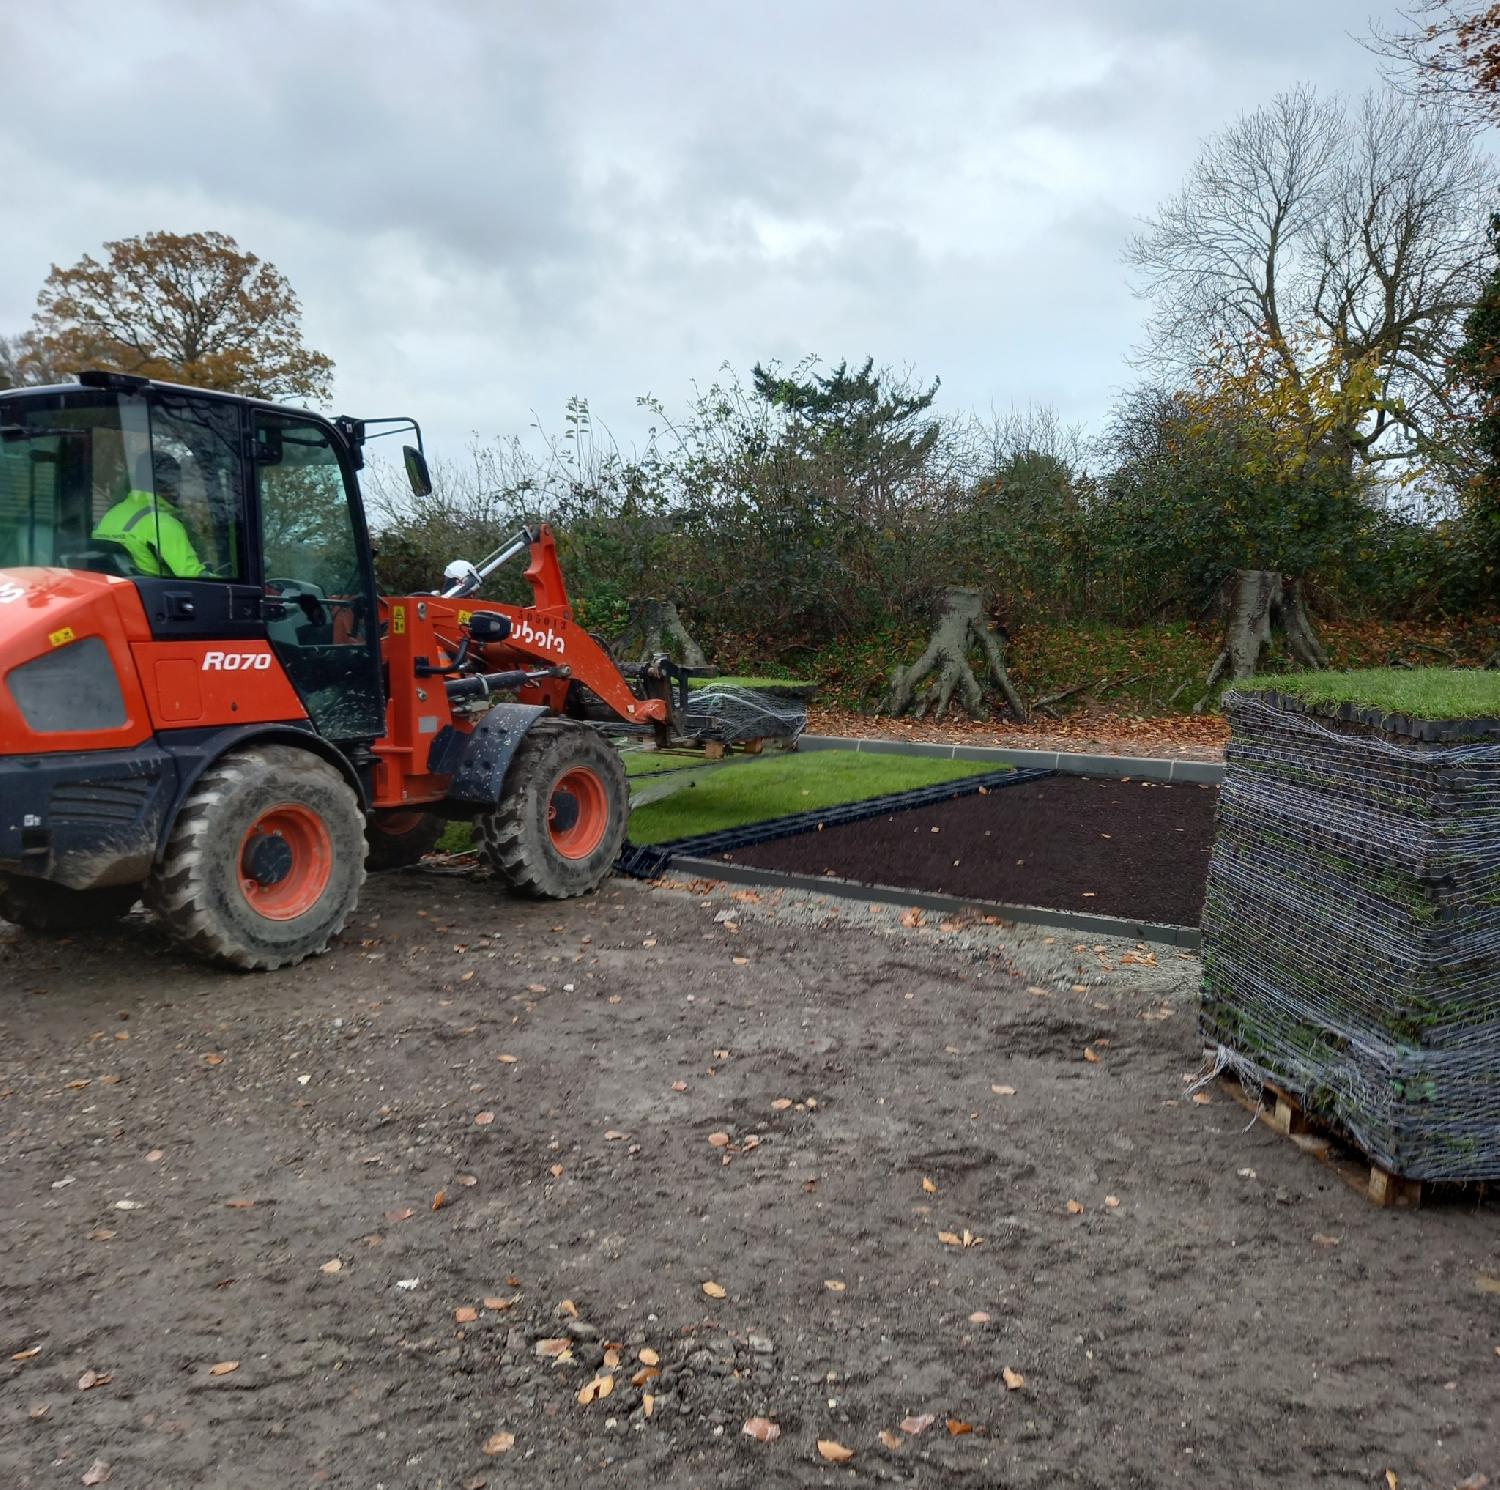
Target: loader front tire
column 265, row 860
column 561, row 818
column 399, row 839
column 39, row 905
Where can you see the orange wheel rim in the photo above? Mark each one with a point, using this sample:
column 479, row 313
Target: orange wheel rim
column 398, row 824
column 286, row 861
column 577, row 813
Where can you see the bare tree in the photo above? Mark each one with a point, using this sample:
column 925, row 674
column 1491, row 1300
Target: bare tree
column 1326, row 229
column 1322, row 257
column 1448, row 54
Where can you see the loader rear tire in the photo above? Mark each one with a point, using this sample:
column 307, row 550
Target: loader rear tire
column 562, row 814
column 39, row 905
column 399, row 839
column 265, row 860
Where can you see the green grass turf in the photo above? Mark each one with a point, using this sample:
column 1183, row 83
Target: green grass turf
column 760, row 789
column 750, row 682
column 1421, row 693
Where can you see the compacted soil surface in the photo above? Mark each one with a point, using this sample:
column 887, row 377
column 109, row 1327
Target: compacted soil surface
column 1119, row 848
column 396, row 1217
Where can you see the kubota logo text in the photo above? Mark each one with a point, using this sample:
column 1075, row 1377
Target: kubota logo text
column 236, row 662
column 534, row 636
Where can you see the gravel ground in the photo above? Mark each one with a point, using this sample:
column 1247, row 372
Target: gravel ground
column 242, row 1245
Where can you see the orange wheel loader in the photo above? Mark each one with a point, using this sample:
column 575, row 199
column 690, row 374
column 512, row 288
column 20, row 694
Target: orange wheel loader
column 205, row 703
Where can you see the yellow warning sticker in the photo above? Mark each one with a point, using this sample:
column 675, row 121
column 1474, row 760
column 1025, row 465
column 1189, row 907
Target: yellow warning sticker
column 464, row 617
column 62, row 637
column 398, row 620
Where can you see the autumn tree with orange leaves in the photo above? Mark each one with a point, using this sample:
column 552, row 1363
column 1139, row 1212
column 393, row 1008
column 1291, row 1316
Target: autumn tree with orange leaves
column 185, row 307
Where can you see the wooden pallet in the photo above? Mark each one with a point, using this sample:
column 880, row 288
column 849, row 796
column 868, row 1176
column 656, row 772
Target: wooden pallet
column 1283, row 1114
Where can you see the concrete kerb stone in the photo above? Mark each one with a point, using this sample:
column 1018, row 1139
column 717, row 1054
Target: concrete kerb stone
column 1071, row 763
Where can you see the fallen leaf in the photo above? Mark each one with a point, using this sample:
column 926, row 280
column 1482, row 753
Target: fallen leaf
column 1003, row 1091
column 834, row 1285
column 551, row 1349
column 223, row 1368
column 718, row 1140
column 440, row 1200
column 613, row 1135
column 1014, row 1381
column 929, row 1186
column 648, row 1404
column 1392, row 1479
column 950, row 1239
column 605, row 1384
column 465, row 1314
column 1486, row 1284
column 979, row 1317
column 213, row 1060
column 239, row 1205
column 714, row 1290
column 1075, row 1208
column 957, row 1427
column 500, row 1305
column 1202, row 1099
column 38, row 1410
column 536, row 988
column 679, row 1086
column 762, row 1430
column 466, row 1180
column 405, row 1215
column 97, row 1473
column 1088, row 1054
column 1112, row 1202
column 556, row 1171
column 507, row 1060
column 834, row 1452
column 26, row 1355
column 917, row 1425
column 154, row 1157
column 499, row 1443
column 483, row 1119
column 781, row 1104
column 611, row 1358
column 91, row 1379
column 586, row 1393
column 1321, row 1239
column 647, row 1356
column 892, row 1441
column 333, row 1265
column 645, row 1374
column 741, row 961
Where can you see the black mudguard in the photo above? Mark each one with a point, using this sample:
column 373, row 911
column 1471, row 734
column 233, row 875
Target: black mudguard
column 479, row 776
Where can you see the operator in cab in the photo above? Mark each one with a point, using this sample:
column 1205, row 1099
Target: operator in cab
column 148, row 527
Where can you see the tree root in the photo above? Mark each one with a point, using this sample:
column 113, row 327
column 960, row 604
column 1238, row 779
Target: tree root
column 1261, row 600
column 960, row 628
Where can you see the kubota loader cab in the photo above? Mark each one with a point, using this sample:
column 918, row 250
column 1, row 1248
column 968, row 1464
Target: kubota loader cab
column 204, row 701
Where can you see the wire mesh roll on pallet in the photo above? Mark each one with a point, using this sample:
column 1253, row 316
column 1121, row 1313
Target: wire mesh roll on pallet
column 1351, row 930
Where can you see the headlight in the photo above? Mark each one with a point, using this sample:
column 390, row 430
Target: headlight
column 71, row 688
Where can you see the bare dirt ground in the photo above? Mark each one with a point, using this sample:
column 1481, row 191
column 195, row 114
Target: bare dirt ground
column 251, row 1177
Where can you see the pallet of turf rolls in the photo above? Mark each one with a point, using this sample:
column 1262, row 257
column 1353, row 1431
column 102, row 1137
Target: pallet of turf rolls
column 1351, row 931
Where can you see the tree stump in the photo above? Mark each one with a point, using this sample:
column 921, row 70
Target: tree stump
column 961, row 628
column 1259, row 601
column 654, row 626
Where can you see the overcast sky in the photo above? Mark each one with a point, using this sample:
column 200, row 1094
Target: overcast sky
column 486, row 208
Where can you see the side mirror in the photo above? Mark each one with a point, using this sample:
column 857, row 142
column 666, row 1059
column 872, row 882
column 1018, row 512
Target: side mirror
column 417, row 476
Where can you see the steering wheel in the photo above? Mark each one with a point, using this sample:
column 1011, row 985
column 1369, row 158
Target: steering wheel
column 302, row 593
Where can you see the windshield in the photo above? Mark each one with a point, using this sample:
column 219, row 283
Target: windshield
column 121, row 484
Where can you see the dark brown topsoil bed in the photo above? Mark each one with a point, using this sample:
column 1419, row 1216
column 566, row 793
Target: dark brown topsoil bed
column 1118, row 848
